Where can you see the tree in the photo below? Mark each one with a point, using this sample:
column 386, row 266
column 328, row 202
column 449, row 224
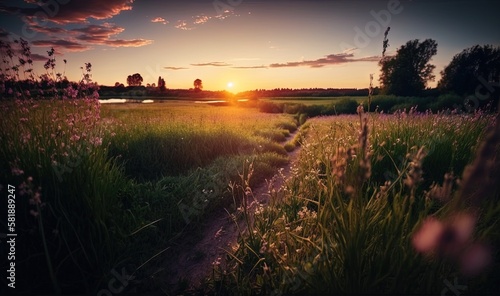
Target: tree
column 464, row 73
column 407, row 73
column 198, row 85
column 134, row 80
column 161, row 84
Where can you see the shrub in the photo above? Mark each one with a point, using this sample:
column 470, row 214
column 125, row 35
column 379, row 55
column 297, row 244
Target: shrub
column 346, row 106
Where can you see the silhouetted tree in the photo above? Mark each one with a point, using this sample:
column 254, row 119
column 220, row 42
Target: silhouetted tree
column 161, row 84
column 407, row 73
column 134, row 80
column 470, row 69
column 198, row 85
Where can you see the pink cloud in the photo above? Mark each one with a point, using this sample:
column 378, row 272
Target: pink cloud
column 159, row 20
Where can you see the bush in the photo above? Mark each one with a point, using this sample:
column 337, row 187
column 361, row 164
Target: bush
column 346, row 106
column 447, row 101
column 270, row 107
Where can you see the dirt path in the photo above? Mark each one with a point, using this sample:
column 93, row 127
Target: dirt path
column 191, row 262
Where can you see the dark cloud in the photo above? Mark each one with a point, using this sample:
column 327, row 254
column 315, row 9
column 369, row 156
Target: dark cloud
column 66, row 44
column 79, row 39
column 213, row 64
column 66, row 12
column 331, row 59
column 38, row 57
column 128, row 43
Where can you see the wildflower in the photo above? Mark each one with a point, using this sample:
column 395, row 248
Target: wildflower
column 427, row 237
column 475, row 259
column 263, row 248
column 217, row 261
column 414, row 176
column 442, row 193
column 17, row 172
column 452, row 239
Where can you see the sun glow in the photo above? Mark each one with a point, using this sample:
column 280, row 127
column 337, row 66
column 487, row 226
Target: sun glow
column 230, row 85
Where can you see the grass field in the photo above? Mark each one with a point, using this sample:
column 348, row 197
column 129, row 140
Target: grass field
column 117, row 182
column 360, row 212
column 106, row 187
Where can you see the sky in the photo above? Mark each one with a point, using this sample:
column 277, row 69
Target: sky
column 240, row 45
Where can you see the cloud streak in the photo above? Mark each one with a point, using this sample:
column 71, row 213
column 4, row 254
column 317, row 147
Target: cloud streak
column 213, row 64
column 66, row 44
column 331, row 59
column 251, row 67
column 175, row 68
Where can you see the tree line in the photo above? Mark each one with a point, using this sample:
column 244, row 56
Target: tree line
column 473, row 72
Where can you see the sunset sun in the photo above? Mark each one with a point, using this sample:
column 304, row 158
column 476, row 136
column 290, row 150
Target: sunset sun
column 230, row 85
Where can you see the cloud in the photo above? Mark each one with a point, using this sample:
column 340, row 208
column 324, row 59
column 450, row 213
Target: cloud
column 183, row 25
column 213, row 64
column 102, row 34
column 59, row 15
column 201, row 19
column 97, row 34
column 128, row 43
column 175, row 68
column 38, row 57
column 251, row 67
column 331, row 59
column 71, row 11
column 66, row 44
column 82, row 38
column 159, row 20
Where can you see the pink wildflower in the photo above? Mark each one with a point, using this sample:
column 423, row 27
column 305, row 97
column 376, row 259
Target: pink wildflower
column 475, row 259
column 17, row 171
column 427, row 237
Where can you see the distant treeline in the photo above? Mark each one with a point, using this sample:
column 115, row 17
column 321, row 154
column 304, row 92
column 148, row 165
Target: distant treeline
column 307, row 92
column 112, row 91
column 143, row 91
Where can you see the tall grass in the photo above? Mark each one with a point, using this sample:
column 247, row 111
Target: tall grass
column 59, row 147
column 171, row 140
column 338, row 226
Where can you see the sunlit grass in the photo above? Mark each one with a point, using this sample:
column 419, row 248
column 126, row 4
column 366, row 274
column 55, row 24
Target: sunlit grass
column 345, row 221
column 165, row 139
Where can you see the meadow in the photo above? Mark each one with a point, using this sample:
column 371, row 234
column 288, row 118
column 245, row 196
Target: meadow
column 399, row 200
column 109, row 186
column 102, row 182
column 378, row 204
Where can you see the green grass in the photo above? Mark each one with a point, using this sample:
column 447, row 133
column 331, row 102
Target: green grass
column 119, row 183
column 334, row 229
